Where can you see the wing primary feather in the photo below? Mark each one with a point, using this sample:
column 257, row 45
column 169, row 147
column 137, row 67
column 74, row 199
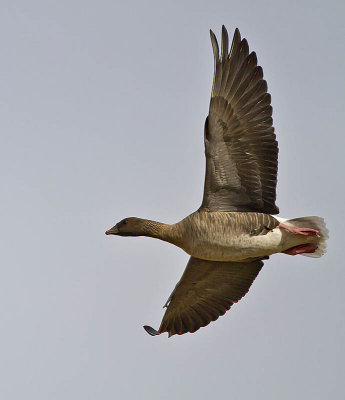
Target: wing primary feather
column 214, row 46
column 235, row 41
column 225, row 43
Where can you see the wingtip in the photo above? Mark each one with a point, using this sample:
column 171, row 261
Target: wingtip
column 151, row 331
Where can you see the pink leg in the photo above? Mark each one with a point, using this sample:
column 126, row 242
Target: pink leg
column 300, row 231
column 302, row 248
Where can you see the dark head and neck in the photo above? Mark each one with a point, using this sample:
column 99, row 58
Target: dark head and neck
column 143, row 227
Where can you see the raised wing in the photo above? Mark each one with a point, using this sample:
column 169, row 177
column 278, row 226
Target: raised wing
column 207, row 289
column 240, row 146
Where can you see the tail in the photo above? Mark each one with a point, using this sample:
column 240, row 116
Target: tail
column 317, row 223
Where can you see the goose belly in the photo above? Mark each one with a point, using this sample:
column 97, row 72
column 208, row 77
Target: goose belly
column 244, row 246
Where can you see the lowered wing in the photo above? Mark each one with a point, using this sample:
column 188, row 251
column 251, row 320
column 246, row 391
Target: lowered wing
column 206, row 290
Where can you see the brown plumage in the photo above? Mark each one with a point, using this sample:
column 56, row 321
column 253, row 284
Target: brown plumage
column 233, row 231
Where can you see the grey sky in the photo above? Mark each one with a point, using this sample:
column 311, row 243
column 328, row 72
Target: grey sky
column 102, row 112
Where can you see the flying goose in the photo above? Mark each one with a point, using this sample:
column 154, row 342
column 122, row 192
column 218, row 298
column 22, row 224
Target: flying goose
column 233, row 230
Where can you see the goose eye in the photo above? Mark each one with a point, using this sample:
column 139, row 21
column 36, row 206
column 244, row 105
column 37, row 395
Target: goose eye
column 124, row 222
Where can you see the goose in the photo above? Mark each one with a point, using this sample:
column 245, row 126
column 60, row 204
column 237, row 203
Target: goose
column 236, row 226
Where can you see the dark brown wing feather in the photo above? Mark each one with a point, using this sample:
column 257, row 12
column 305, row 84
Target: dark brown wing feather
column 207, row 289
column 240, row 146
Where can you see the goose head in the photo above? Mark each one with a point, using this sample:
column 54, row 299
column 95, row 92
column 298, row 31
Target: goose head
column 129, row 227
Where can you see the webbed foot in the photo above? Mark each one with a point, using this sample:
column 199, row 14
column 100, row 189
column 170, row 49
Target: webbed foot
column 302, row 248
column 300, row 231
